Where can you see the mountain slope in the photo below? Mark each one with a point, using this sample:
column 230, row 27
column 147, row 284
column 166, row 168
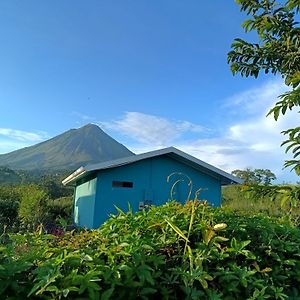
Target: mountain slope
column 69, row 150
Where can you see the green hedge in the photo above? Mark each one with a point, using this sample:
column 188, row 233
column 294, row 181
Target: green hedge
column 169, row 252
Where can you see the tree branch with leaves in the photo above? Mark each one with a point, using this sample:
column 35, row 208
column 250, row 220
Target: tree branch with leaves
column 277, row 52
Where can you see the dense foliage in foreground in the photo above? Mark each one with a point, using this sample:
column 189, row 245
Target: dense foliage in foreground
column 169, row 252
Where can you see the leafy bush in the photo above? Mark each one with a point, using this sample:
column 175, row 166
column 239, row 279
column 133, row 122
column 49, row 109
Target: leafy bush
column 168, row 252
column 8, row 213
column 32, row 208
column 9, row 205
column 57, row 210
column 53, row 186
column 60, row 207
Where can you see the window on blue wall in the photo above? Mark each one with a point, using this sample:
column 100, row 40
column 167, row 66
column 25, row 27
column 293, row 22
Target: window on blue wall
column 122, row 184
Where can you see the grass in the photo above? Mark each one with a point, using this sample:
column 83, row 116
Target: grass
column 277, row 201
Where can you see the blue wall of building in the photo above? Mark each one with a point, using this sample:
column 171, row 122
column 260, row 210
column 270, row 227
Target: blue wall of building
column 84, row 203
column 149, row 178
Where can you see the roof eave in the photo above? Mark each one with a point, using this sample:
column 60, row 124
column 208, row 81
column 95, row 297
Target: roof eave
column 74, row 176
column 228, row 181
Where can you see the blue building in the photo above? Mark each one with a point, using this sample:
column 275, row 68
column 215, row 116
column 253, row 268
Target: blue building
column 141, row 180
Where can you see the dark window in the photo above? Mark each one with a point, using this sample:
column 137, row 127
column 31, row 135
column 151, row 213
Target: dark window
column 125, row 184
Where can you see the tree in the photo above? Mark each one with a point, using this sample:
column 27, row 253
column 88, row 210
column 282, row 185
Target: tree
column 247, row 175
column 277, row 52
column 264, row 176
column 256, row 176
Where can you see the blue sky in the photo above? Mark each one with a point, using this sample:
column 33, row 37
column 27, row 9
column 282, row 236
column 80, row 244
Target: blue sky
column 151, row 73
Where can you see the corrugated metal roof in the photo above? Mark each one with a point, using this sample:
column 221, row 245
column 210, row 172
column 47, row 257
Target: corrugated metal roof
column 185, row 158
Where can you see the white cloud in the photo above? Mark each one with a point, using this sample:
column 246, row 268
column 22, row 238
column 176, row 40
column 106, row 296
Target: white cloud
column 233, row 151
column 254, row 141
column 257, row 100
column 251, row 142
column 151, row 130
column 12, row 139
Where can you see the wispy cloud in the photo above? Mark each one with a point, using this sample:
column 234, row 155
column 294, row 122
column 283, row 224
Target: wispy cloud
column 150, row 129
column 21, row 135
column 12, row 139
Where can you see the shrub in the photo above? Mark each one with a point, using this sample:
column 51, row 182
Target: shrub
column 167, row 252
column 61, row 207
column 8, row 213
column 57, row 210
column 9, row 204
column 32, row 209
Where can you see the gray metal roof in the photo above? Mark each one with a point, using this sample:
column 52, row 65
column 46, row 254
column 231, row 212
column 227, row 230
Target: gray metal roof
column 181, row 156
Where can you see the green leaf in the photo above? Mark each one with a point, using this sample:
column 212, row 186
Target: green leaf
column 177, row 230
column 148, row 291
column 107, row 294
column 66, row 292
column 52, row 288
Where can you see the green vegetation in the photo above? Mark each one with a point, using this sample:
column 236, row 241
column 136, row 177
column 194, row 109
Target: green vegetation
column 25, row 206
column 15, row 177
column 166, row 252
column 257, row 195
column 282, row 201
column 32, row 207
column 248, row 249
column 277, row 52
column 8, row 176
